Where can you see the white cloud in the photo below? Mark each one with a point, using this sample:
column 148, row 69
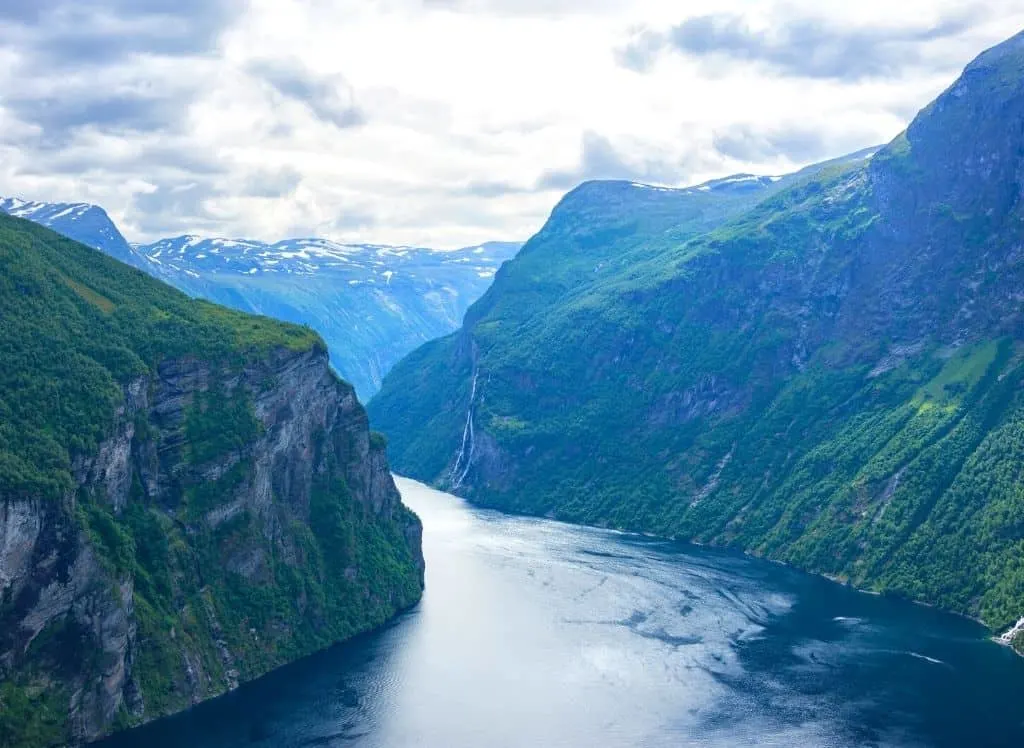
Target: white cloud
column 447, row 122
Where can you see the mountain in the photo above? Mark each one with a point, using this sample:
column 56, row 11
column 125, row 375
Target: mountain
column 372, row 304
column 85, row 223
column 832, row 378
column 189, row 497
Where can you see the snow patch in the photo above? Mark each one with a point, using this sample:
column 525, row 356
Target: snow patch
column 651, row 187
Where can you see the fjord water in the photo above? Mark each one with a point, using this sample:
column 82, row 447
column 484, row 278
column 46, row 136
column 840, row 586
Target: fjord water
column 536, row 633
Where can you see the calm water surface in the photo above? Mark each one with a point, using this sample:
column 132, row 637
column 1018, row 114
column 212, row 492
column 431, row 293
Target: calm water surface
column 534, row 633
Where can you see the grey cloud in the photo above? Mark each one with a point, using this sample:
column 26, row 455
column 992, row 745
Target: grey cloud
column 273, row 183
column 59, row 117
column 490, row 189
column 78, row 64
column 187, row 200
column 329, row 98
column 160, row 156
column 104, row 89
column 599, row 159
column 526, row 7
column 173, row 208
column 65, row 33
column 354, row 220
column 797, row 144
column 188, row 177
column 33, row 11
column 806, row 47
column 745, row 143
column 642, row 52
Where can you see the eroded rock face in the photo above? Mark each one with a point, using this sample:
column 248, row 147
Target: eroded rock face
column 69, row 616
column 54, row 581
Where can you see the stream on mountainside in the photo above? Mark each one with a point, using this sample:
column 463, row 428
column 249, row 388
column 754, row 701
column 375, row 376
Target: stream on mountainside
column 536, row 633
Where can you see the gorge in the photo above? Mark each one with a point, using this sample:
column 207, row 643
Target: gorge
column 734, row 463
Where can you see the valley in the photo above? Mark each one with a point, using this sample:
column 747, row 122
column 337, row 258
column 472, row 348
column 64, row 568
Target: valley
column 707, row 460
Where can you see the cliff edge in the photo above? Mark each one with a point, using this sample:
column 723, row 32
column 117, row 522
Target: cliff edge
column 189, row 497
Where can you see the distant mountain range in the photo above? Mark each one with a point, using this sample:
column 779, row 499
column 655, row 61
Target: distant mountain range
column 371, row 303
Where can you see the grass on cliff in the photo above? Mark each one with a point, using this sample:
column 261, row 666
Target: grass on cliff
column 74, row 326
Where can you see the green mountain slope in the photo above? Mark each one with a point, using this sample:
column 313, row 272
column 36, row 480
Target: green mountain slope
column 832, row 379
column 188, row 497
column 371, row 304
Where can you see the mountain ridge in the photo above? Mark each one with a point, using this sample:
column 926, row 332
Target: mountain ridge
column 83, row 222
column 372, row 303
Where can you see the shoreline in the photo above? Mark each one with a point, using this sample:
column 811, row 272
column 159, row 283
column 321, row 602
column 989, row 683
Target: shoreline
column 1004, row 639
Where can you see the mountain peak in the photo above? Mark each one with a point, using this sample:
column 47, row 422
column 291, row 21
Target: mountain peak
column 832, row 379
column 965, row 149
column 83, row 222
column 1006, row 55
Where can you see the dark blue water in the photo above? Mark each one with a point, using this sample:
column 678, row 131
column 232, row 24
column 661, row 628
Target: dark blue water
column 534, row 633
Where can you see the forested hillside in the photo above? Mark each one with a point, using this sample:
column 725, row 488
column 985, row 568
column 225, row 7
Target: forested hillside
column 189, row 497
column 833, row 378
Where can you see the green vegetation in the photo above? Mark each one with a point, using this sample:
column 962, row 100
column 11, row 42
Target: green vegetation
column 830, row 377
column 219, row 422
column 225, row 585
column 30, row 715
column 349, row 573
column 75, row 326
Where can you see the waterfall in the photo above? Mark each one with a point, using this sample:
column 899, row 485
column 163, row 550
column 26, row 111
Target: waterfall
column 1009, row 636
column 464, row 459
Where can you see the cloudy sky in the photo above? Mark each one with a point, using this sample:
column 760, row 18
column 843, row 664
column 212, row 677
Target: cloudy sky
column 446, row 122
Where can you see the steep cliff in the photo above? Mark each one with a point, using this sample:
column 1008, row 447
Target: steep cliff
column 189, row 497
column 833, row 378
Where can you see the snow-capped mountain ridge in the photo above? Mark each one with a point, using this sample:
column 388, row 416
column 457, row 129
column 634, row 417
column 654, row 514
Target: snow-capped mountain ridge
column 372, row 303
column 307, row 256
column 15, row 206
column 82, row 222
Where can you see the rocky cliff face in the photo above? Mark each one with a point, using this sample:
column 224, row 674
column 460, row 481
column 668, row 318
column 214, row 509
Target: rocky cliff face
column 189, row 558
